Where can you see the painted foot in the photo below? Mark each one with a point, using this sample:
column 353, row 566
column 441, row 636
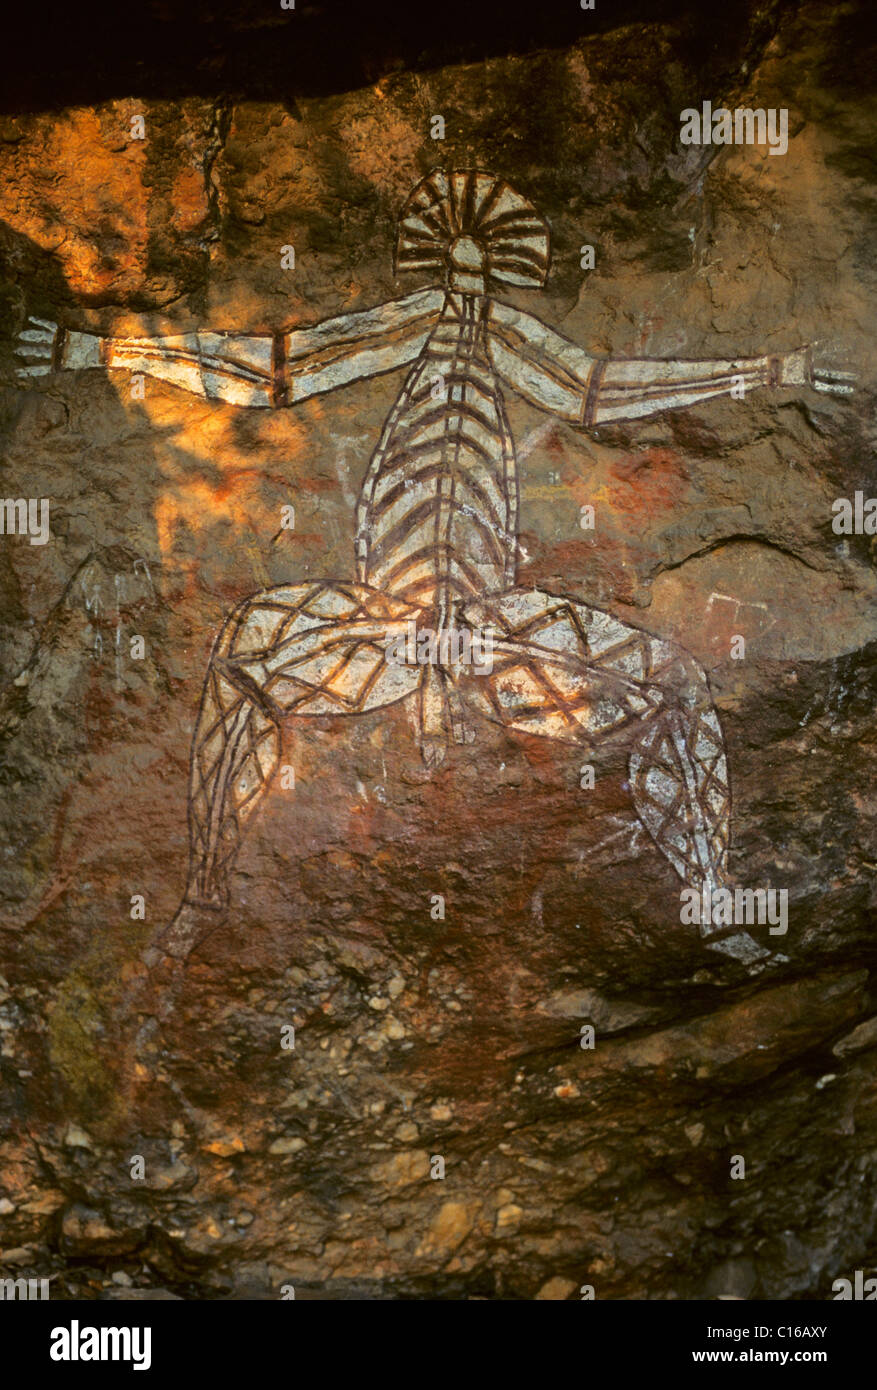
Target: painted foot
column 742, row 947
column 722, row 937
column 191, row 925
column 433, row 753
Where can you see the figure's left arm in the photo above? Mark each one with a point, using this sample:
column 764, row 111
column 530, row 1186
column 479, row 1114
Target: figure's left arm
column 555, row 374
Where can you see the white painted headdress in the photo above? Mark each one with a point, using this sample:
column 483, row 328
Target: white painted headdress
column 473, row 227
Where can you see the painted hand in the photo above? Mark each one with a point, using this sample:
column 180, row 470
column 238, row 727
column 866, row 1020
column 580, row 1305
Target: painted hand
column 36, row 345
column 834, row 383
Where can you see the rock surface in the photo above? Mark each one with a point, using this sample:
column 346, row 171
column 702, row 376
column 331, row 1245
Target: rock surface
column 458, row 1039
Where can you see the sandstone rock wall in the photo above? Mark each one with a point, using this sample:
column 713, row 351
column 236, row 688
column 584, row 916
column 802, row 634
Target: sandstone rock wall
column 416, row 1037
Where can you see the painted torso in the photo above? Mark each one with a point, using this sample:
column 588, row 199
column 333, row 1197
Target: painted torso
column 438, row 509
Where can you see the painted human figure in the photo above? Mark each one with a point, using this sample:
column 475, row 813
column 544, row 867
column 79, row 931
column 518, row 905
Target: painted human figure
column 436, row 543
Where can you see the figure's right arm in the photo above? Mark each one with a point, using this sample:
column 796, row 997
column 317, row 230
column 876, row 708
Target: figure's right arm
column 251, row 371
column 217, row 366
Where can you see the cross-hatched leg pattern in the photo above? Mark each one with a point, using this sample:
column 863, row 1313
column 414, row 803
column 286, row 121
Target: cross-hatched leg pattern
column 560, row 669
column 303, row 649
column 567, row 671
column 679, row 782
column 235, row 753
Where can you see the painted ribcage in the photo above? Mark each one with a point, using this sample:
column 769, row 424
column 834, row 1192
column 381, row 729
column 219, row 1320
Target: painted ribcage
column 438, row 510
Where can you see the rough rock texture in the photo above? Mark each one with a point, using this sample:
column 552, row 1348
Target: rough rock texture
column 460, row 1038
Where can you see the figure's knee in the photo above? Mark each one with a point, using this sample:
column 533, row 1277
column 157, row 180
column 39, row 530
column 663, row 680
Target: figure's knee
column 249, row 630
column 261, row 622
column 257, row 623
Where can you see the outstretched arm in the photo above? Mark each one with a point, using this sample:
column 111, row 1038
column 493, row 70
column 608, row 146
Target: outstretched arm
column 252, row 371
column 553, row 373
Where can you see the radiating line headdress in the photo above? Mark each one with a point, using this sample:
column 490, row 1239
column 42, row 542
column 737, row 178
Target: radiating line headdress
column 469, row 221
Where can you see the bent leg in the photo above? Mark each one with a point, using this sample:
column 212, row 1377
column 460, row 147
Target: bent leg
column 680, row 788
column 679, row 773
column 564, row 670
column 306, row 649
column 569, row 671
column 235, row 752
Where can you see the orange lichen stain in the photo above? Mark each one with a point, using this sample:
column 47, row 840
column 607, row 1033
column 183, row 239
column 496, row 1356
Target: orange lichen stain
column 567, row 1090
column 226, row 1148
column 90, row 186
column 189, row 200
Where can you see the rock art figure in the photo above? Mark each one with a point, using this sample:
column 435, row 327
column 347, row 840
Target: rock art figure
column 436, row 543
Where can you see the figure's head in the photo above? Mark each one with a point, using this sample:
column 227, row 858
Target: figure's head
column 474, row 228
